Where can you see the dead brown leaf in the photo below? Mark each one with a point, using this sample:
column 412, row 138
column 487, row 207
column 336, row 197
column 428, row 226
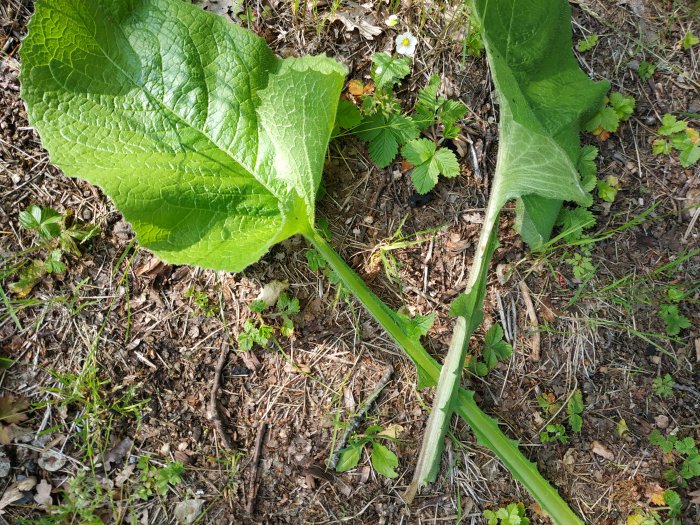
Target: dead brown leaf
column 12, row 411
column 601, row 450
column 655, row 494
column 43, row 494
column 694, row 497
column 118, row 453
column 360, row 18
column 356, row 88
column 16, row 491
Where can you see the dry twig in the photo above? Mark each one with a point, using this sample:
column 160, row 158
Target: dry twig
column 535, row 354
column 253, row 480
column 213, row 412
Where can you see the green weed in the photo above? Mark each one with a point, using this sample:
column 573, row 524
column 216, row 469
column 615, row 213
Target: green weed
column 56, row 234
column 512, row 514
column 646, row 70
column 675, row 449
column 663, row 386
column 388, row 130
column 574, row 408
column 156, row 480
column 587, row 43
column 495, row 350
column 617, row 108
column 383, row 460
column 257, row 331
column 680, row 136
column 554, row 432
column 202, row 302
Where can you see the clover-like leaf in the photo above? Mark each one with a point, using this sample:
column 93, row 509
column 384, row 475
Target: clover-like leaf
column 429, row 163
column 389, row 71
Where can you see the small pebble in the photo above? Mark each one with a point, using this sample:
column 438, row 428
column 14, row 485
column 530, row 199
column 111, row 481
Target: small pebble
column 661, row 421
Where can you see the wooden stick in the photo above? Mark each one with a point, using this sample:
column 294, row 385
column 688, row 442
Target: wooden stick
column 535, row 354
column 213, row 411
column 253, row 481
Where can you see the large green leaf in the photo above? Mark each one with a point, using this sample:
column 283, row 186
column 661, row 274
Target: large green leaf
column 209, row 145
column 544, row 98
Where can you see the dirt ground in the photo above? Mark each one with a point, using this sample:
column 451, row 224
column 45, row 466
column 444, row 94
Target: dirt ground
column 118, row 355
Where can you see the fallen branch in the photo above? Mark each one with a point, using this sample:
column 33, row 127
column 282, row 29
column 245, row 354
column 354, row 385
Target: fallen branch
column 213, row 411
column 252, row 482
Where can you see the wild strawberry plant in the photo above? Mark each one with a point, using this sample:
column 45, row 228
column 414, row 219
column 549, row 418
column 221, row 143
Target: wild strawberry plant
column 213, row 148
column 678, row 135
column 388, row 130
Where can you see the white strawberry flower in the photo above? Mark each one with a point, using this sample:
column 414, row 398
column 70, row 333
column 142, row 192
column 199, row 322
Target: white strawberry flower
column 392, row 21
column 406, row 44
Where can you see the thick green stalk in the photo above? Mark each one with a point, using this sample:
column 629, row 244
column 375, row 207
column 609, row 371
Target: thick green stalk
column 469, row 311
column 381, row 313
column 483, row 426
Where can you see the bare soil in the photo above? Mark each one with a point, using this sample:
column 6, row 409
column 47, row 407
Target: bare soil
column 130, row 316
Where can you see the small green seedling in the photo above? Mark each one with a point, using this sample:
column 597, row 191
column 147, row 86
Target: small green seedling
column 50, row 225
column 202, row 302
column 429, row 162
column 673, row 500
column 663, row 386
column 512, row 514
column 383, row 460
column 436, row 117
column 258, row 331
column 383, row 125
column 574, row 221
column 548, row 404
column 575, row 408
column 157, row 480
column 646, row 70
column 673, row 448
column 675, row 294
column 581, row 265
column 473, row 44
column 608, row 188
column 254, row 333
column 673, row 506
column 495, row 350
column 587, row 43
column 432, row 111
column 617, row 108
column 679, row 136
column 689, row 40
column 554, row 432
column 673, row 319
column 58, row 234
